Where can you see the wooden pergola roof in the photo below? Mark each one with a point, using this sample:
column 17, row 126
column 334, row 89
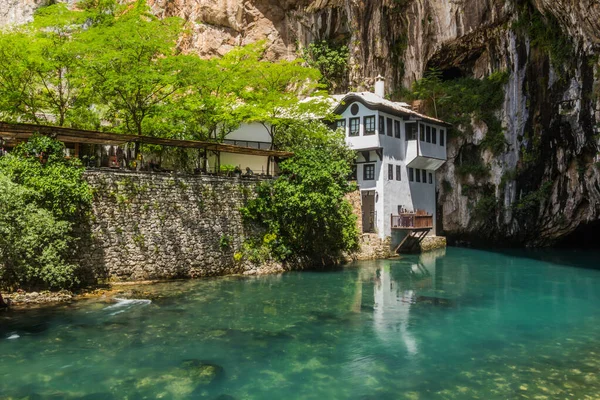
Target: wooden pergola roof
column 12, row 131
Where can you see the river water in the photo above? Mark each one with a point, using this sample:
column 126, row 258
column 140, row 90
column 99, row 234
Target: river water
column 451, row 324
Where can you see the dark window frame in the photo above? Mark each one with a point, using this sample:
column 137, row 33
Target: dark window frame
column 428, row 134
column 389, row 127
column 397, row 132
column 368, row 172
column 430, row 178
column 422, row 132
column 412, row 131
column 381, row 125
column 411, row 174
column 424, row 176
column 371, row 119
column 433, row 135
column 442, row 137
column 418, row 175
column 350, row 131
column 398, row 172
column 390, row 172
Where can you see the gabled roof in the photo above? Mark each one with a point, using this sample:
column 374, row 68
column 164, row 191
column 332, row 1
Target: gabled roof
column 375, row 102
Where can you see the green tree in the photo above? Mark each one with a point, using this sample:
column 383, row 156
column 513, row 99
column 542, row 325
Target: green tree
column 40, row 78
column 42, row 197
column 304, row 210
column 132, row 63
column 431, row 88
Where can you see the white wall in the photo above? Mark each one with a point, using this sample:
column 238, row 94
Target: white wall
column 392, row 193
column 254, row 132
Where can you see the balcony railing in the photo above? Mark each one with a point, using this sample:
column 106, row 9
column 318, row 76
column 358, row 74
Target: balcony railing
column 417, row 220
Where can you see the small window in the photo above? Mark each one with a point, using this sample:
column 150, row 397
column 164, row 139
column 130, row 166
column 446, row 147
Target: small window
column 354, row 109
column 390, row 172
column 381, row 126
column 434, row 135
column 424, row 175
column 354, row 126
column 411, row 131
column 397, row 129
column 369, row 172
column 398, row 173
column 389, row 127
column 411, row 175
column 430, row 178
column 418, row 175
column 428, row 137
column 442, row 137
column 340, row 124
column 370, row 125
column 422, row 130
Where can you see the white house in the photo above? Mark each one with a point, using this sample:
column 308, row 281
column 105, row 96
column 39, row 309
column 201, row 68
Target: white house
column 399, row 151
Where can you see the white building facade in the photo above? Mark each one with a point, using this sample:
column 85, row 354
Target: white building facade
column 399, row 151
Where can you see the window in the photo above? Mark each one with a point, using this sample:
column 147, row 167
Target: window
column 418, row 175
column 354, row 109
column 434, row 135
column 422, row 130
column 369, row 172
column 370, row 125
column 424, row 175
column 381, row 126
column 340, row 124
column 398, row 173
column 411, row 175
column 353, row 174
column 430, row 178
column 411, row 131
column 442, row 137
column 389, row 127
column 354, row 126
column 428, row 137
column 397, row 129
column 390, row 172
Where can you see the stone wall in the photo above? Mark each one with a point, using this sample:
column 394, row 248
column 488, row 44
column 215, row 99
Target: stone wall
column 160, row 226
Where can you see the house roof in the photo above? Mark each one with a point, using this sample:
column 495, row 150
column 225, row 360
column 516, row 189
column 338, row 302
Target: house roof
column 376, row 102
column 10, row 131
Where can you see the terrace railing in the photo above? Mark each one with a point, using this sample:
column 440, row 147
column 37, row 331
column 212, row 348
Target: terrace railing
column 417, row 220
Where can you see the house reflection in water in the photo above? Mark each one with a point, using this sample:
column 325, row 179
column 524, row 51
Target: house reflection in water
column 400, row 287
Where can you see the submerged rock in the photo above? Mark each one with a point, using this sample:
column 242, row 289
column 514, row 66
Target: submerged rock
column 202, row 372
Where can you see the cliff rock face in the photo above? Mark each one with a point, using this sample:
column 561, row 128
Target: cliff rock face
column 546, row 184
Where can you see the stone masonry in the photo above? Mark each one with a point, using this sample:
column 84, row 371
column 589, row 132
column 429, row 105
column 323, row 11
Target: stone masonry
column 148, row 226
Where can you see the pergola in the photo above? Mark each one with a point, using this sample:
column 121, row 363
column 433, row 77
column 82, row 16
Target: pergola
column 12, row 132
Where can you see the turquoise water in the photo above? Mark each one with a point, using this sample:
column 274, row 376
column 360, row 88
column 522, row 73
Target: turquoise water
column 456, row 324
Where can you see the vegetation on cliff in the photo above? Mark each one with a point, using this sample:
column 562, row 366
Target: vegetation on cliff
column 42, row 197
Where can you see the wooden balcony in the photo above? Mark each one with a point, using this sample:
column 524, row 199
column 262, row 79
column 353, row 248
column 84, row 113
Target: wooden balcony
column 419, row 220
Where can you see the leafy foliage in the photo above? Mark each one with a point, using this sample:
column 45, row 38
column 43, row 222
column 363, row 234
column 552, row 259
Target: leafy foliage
column 330, row 59
column 545, row 33
column 304, row 211
column 459, row 101
column 42, row 197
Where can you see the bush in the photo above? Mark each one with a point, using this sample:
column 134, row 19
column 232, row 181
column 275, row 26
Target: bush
column 304, row 210
column 42, row 197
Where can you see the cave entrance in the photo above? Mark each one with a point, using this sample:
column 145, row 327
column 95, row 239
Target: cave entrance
column 452, row 73
column 584, row 237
